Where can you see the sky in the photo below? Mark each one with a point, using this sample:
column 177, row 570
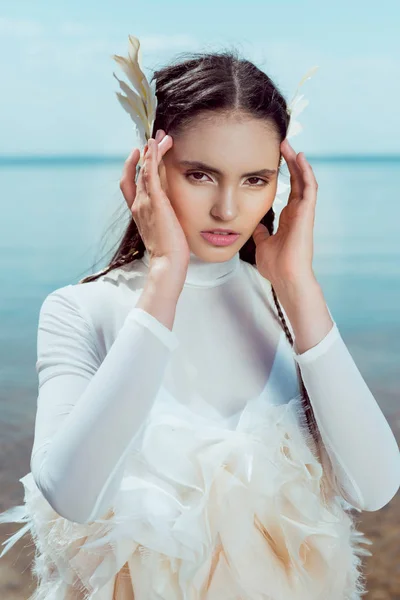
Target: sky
column 58, row 90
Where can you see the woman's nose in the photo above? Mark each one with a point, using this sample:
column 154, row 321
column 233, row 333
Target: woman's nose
column 225, row 205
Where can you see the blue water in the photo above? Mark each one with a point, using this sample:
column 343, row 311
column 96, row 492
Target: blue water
column 55, row 212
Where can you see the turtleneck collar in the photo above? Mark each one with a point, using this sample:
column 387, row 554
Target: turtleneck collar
column 201, row 273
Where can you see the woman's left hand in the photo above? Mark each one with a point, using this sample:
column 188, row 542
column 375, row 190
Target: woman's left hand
column 286, row 256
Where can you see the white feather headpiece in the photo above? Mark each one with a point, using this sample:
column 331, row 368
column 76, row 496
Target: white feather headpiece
column 295, row 107
column 141, row 102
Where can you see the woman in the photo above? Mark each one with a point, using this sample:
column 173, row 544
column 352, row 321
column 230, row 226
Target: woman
column 202, row 430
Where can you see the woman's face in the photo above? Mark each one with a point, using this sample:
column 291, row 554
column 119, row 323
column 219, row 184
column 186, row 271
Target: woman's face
column 222, row 191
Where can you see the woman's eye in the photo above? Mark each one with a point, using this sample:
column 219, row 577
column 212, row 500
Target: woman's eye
column 263, row 182
column 195, row 173
column 198, row 179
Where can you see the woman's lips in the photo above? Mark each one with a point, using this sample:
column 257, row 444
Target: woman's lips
column 219, row 239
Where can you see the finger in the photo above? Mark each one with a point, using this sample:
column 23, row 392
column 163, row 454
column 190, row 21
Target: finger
column 260, row 233
column 163, row 147
column 150, row 167
column 140, row 182
column 159, row 135
column 296, row 175
column 127, row 182
column 310, row 181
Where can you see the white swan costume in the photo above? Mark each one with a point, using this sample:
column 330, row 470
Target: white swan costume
column 178, row 465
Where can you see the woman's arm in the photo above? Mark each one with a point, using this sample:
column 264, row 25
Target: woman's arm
column 357, row 437
column 88, row 411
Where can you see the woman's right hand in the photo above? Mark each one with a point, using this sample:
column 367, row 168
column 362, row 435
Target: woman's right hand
column 151, row 209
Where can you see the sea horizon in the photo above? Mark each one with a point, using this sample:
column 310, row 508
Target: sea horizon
column 77, row 158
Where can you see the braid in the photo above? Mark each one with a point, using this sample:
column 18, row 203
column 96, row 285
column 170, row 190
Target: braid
column 308, row 410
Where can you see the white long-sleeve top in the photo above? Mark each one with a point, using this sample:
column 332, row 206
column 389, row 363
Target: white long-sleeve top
column 102, row 362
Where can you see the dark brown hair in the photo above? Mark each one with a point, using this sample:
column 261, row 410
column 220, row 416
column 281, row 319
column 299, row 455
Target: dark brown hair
column 204, row 83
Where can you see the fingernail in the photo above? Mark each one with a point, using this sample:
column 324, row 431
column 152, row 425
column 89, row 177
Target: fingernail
column 158, row 135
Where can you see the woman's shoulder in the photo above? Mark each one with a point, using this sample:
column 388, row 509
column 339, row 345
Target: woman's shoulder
column 127, row 273
column 99, row 301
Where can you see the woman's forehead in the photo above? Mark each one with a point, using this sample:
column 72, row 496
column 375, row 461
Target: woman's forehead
column 227, row 145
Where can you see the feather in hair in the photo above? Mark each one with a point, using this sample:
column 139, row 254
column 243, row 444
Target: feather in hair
column 141, row 102
column 295, row 107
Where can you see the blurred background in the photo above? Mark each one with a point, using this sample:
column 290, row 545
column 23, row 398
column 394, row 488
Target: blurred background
column 64, row 139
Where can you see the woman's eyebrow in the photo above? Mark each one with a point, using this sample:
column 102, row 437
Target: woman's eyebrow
column 200, row 165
